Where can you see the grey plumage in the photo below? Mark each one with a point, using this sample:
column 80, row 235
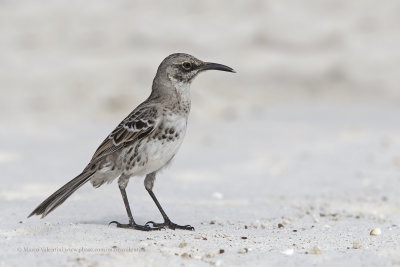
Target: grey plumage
column 145, row 141
column 58, row 197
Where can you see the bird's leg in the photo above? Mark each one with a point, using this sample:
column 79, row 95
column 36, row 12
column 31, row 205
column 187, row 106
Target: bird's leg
column 167, row 222
column 132, row 224
column 149, row 182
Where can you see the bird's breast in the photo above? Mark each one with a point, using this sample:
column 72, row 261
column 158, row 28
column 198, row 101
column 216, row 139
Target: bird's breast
column 162, row 145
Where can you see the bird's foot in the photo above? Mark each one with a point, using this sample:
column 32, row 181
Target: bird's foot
column 170, row 225
column 136, row 226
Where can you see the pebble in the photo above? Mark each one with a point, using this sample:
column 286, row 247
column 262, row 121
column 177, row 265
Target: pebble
column 221, row 251
column 210, row 255
column 335, row 216
column 183, row 244
column 256, row 224
column 185, row 256
column 315, row 250
column 280, row 225
column 196, row 257
column 197, row 236
column 376, row 231
column 243, row 250
column 356, row 245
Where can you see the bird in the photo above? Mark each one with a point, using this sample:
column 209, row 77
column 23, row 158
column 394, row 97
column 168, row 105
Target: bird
column 145, row 142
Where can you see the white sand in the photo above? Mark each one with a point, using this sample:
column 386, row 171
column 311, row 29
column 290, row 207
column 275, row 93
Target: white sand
column 328, row 182
column 290, row 162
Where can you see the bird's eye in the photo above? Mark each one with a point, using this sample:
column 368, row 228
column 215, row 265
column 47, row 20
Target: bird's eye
column 186, row 65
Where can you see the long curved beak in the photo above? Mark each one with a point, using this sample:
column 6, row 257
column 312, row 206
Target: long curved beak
column 216, row 66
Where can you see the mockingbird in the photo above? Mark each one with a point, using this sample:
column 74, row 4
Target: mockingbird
column 145, row 141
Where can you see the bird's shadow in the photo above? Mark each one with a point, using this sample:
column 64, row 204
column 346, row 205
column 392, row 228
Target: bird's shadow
column 105, row 221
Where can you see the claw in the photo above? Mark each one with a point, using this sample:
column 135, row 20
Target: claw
column 160, row 226
column 184, row 227
column 117, row 223
column 170, row 225
column 189, row 227
column 136, row 226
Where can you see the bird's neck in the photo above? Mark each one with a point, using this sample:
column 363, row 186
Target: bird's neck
column 183, row 95
column 175, row 94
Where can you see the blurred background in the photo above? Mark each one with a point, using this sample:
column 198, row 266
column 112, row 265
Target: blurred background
column 315, row 98
column 307, row 129
column 98, row 58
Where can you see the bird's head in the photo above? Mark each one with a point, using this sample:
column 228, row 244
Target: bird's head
column 184, row 68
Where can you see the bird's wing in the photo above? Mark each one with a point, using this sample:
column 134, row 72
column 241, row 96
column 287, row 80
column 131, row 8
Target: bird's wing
column 140, row 123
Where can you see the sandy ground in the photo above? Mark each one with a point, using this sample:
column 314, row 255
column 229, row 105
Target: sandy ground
column 290, row 162
column 298, row 185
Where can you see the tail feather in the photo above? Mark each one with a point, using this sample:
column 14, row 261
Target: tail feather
column 58, row 197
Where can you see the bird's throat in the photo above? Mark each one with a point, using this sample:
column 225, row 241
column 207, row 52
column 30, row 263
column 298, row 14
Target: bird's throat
column 182, row 90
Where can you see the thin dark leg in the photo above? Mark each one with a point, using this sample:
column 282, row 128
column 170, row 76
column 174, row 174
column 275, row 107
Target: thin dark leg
column 127, row 207
column 167, row 221
column 132, row 224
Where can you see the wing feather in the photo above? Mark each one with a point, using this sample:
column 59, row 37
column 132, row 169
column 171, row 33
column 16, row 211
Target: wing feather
column 140, row 123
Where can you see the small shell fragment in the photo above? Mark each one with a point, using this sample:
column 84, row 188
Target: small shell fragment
column 243, row 250
column 197, row 236
column 288, row 252
column 376, row 231
column 185, row 256
column 356, row 245
column 210, row 255
column 315, row 250
column 196, row 256
column 316, row 220
column 217, row 263
column 217, row 195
